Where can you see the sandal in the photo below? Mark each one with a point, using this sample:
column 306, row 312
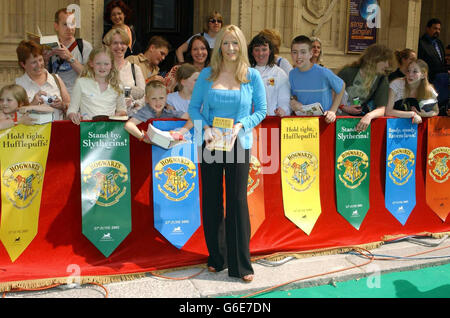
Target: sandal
column 212, row 269
column 248, row 278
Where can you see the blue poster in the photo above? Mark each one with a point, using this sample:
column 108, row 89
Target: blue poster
column 401, row 148
column 176, row 199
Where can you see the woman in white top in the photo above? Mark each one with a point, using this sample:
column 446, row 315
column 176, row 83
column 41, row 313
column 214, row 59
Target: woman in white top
column 276, row 82
column 38, row 82
column 213, row 24
column 117, row 40
column 275, row 38
column 414, row 86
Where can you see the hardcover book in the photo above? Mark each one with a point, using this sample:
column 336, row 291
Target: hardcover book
column 223, row 141
column 162, row 138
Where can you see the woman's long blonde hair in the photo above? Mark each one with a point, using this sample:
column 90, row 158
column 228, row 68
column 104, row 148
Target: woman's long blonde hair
column 425, row 89
column 217, row 58
column 368, row 61
column 113, row 77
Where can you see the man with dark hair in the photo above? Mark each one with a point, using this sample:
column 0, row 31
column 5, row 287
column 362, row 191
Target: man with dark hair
column 431, row 50
column 156, row 52
column 67, row 61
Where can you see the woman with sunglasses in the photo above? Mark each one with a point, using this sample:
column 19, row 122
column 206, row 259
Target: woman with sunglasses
column 213, row 24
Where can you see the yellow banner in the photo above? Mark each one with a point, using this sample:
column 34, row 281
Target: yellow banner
column 23, row 155
column 300, row 171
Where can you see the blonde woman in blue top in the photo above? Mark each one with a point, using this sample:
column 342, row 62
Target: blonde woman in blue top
column 228, row 88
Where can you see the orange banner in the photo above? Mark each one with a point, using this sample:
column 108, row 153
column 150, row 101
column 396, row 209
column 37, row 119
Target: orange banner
column 438, row 162
column 255, row 186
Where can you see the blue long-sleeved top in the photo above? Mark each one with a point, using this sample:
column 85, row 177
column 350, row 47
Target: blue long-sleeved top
column 250, row 111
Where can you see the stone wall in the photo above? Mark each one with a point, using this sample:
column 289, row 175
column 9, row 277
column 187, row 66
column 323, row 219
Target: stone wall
column 402, row 23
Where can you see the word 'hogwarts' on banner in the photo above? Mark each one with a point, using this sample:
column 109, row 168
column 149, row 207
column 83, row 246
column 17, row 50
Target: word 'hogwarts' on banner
column 105, row 184
column 176, row 196
column 23, row 156
column 352, row 171
column 300, row 171
column 401, row 149
column 438, row 162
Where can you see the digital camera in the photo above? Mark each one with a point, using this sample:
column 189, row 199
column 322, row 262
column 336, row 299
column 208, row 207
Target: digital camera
column 49, row 99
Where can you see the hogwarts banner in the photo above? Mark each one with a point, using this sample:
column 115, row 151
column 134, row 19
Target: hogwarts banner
column 438, row 162
column 24, row 151
column 176, row 196
column 352, row 171
column 105, row 184
column 300, row 171
column 401, row 149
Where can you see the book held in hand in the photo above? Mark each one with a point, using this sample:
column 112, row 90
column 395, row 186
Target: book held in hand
column 427, row 105
column 119, row 118
column 223, row 141
column 161, row 138
column 48, row 42
column 314, row 109
column 39, row 118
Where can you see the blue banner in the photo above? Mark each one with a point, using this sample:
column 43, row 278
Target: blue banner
column 176, row 199
column 401, row 149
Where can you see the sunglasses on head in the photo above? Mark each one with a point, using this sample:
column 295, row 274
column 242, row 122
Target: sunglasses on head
column 215, row 20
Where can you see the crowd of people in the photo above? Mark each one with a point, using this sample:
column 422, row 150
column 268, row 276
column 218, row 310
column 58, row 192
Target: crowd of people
column 219, row 75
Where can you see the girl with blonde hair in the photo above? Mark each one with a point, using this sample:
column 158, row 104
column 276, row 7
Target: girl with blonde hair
column 367, row 86
column 98, row 91
column 228, row 88
column 413, row 96
column 14, row 100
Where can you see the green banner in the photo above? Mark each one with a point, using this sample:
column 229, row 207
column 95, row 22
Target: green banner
column 105, row 184
column 352, row 171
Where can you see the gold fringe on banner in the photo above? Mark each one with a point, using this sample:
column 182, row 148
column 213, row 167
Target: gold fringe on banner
column 319, row 252
column 399, row 236
column 49, row 282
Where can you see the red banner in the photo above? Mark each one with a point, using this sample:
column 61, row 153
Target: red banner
column 59, row 244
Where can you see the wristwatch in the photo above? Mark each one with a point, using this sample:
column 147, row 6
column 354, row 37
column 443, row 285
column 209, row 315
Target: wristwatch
column 71, row 60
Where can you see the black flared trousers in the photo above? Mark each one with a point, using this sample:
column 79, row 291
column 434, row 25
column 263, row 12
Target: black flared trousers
column 227, row 236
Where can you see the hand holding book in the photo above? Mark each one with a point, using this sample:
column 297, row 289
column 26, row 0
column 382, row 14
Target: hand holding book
column 212, row 136
column 222, row 135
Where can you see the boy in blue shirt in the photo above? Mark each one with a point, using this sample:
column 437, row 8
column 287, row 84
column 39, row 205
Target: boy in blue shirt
column 311, row 83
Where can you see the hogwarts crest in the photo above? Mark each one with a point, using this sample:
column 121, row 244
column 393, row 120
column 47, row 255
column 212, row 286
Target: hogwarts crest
column 175, row 177
column 21, row 181
column 438, row 164
column 352, row 166
column 300, row 168
column 400, row 164
column 105, row 181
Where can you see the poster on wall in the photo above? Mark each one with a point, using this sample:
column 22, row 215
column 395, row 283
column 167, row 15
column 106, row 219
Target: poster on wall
column 363, row 20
